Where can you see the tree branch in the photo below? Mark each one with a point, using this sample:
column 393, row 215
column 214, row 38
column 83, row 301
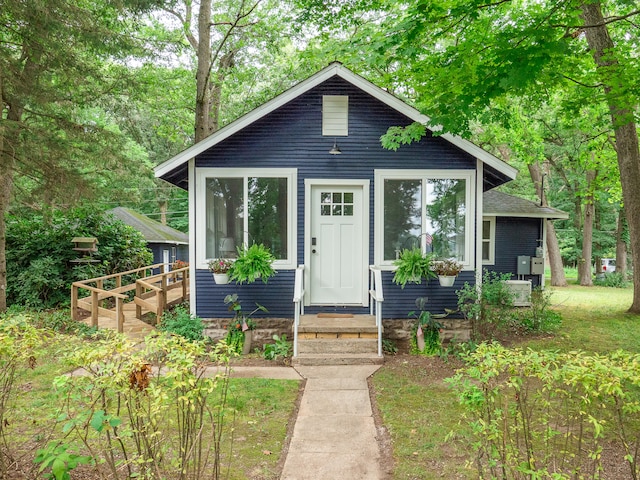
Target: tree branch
column 598, row 85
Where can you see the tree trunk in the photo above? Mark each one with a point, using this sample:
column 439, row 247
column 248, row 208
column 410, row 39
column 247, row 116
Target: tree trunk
column 203, row 74
column 584, row 262
column 558, row 278
column 621, row 246
column 621, row 106
column 164, row 205
column 7, row 164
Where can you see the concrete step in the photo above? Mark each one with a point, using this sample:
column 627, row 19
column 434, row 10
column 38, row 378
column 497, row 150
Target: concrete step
column 311, row 359
column 338, row 345
column 359, row 324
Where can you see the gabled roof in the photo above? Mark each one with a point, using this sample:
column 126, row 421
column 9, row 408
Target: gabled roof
column 504, row 205
column 152, row 231
column 334, row 69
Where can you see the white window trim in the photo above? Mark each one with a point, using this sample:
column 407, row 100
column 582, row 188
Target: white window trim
column 291, row 174
column 382, row 174
column 492, row 240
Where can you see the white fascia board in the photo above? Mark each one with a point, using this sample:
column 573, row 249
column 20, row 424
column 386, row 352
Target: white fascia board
column 549, row 216
column 311, row 82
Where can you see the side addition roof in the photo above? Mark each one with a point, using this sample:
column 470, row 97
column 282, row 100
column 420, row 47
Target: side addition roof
column 176, row 166
column 501, row 204
column 152, row 231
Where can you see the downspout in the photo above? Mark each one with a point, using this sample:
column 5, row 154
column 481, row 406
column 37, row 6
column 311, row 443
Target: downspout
column 192, row 236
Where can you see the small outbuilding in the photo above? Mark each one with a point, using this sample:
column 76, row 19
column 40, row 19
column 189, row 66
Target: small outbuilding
column 166, row 243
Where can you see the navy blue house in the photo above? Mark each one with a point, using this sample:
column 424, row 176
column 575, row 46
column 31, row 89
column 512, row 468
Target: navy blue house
column 305, row 174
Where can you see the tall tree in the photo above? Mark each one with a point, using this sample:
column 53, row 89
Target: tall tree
column 54, row 64
column 219, row 32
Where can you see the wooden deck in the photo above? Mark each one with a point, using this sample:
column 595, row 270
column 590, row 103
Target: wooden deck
column 154, row 293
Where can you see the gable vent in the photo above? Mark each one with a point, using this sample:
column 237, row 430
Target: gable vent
column 335, row 115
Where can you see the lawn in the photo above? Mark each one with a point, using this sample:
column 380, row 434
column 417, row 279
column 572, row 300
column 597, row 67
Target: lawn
column 423, row 415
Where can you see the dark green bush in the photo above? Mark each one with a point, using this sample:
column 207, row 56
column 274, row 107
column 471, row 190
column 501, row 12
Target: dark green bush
column 40, row 270
column 180, row 321
column 613, row 279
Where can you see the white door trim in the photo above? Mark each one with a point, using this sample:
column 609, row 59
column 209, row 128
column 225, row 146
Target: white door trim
column 366, row 233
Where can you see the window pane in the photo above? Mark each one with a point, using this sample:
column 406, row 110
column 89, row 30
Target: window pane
column 268, row 214
column 402, row 215
column 485, row 251
column 225, row 216
column 446, row 217
column 486, row 229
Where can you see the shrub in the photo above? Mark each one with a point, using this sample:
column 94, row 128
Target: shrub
column 40, row 253
column 180, row 321
column 539, row 317
column 19, row 345
column 489, row 311
column 173, row 422
column 614, row 279
column 542, row 414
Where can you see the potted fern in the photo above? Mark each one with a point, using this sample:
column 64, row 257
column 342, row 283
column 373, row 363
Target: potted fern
column 412, row 266
column 254, row 262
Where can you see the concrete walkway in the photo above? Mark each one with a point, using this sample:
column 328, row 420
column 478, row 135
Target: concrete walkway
column 334, row 436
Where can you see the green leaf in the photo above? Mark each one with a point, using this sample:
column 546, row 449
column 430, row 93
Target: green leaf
column 97, row 422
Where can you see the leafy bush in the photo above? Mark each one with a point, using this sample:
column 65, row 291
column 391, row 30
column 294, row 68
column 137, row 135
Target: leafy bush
column 614, row 279
column 141, row 424
column 489, row 311
column 180, row 321
column 539, row 317
column 281, row 349
column 542, row 414
column 40, row 253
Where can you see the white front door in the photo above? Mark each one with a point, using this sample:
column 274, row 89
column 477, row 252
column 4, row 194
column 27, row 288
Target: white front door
column 337, row 245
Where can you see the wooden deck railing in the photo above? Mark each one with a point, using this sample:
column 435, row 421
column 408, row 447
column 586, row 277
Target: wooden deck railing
column 151, row 292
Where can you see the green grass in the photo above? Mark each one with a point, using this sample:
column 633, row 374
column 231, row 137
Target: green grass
column 419, row 416
column 423, row 415
column 593, row 319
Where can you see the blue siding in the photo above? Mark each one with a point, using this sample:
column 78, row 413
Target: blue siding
column 182, row 251
column 276, row 296
column 291, row 137
column 514, row 237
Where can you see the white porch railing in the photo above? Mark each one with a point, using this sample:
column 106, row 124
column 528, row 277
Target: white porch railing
column 298, row 305
column 377, row 297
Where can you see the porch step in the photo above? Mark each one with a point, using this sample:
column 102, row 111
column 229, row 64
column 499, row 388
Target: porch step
column 337, row 339
column 310, row 359
column 338, row 345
